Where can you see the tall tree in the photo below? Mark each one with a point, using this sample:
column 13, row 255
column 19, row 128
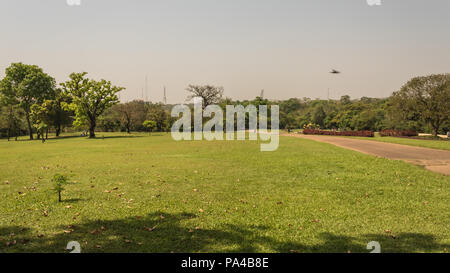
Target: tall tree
column 90, row 98
column 319, row 116
column 58, row 110
column 210, row 94
column 345, row 99
column 40, row 119
column 26, row 85
column 52, row 112
column 427, row 98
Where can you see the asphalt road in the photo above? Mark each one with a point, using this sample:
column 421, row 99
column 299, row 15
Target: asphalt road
column 432, row 159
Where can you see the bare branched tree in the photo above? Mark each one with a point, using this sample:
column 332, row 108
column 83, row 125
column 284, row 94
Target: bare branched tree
column 210, row 94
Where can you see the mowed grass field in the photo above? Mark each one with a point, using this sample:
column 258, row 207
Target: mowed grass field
column 140, row 193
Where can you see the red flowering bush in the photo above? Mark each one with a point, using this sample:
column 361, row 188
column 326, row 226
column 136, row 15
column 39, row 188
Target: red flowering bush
column 337, row 133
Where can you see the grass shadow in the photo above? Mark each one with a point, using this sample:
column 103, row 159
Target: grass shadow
column 53, row 138
column 160, row 232
column 73, row 200
column 113, row 137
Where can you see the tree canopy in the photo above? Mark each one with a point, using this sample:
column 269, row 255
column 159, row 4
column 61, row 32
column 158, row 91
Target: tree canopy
column 426, row 99
column 90, row 98
column 31, row 102
column 26, row 85
column 210, row 94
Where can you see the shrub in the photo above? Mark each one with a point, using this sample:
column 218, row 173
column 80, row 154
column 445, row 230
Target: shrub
column 59, row 180
column 337, row 133
column 150, row 125
column 399, row 133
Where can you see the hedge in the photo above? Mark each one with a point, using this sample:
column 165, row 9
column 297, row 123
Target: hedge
column 337, row 133
column 399, row 133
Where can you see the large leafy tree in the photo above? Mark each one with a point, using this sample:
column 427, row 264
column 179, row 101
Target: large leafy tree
column 40, row 119
column 426, row 98
column 53, row 112
column 90, row 98
column 26, row 85
column 58, row 110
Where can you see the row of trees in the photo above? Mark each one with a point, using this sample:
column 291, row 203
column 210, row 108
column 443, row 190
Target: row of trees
column 136, row 115
column 31, row 102
column 26, row 92
column 422, row 105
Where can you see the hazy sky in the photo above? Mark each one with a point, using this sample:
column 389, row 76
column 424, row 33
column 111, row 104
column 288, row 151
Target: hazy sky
column 286, row 47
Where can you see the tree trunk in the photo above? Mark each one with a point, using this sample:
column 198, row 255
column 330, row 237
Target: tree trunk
column 30, row 130
column 59, row 196
column 92, row 129
column 58, row 130
column 435, row 127
column 435, row 132
column 46, row 134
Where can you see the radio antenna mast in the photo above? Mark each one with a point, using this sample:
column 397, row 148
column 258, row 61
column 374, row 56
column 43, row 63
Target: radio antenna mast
column 165, row 97
column 146, row 87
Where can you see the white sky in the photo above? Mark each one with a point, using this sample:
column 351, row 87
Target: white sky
column 285, row 47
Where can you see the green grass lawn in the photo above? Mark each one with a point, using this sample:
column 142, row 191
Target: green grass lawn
column 135, row 193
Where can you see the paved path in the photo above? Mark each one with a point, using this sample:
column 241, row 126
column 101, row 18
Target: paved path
column 432, row 159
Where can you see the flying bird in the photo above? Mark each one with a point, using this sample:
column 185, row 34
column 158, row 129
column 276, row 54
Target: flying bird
column 334, row 71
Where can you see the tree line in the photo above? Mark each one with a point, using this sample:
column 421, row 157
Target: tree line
column 32, row 103
column 422, row 105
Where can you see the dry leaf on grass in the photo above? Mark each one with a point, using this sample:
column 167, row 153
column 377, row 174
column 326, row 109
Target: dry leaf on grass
column 95, row 232
column 150, row 229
